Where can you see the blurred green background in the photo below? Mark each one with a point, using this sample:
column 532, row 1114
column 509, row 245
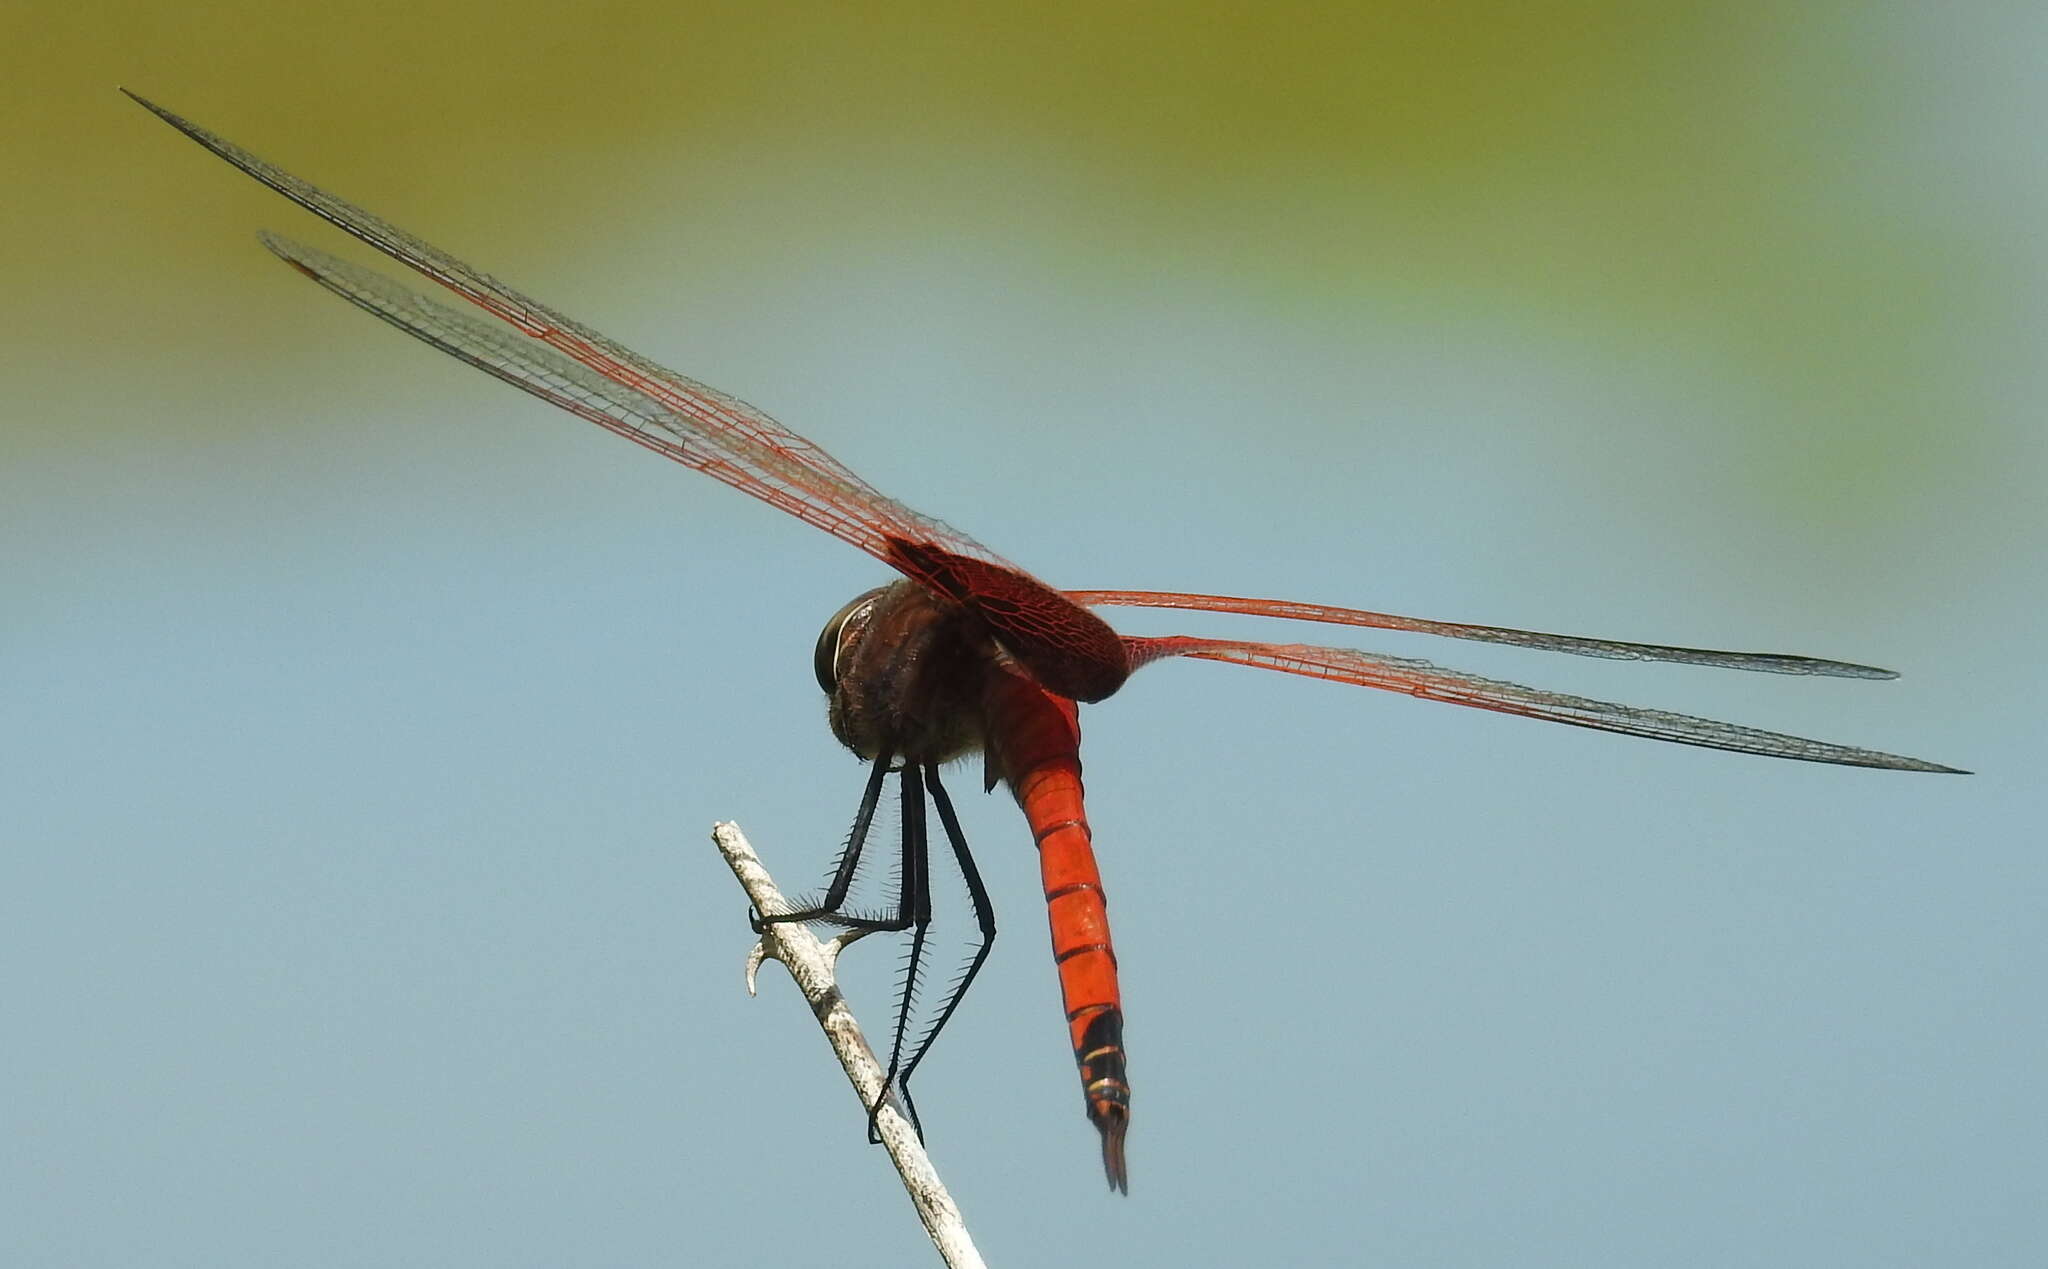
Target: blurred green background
column 363, row 721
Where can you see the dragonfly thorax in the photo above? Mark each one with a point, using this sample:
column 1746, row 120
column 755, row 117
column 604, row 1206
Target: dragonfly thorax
column 907, row 675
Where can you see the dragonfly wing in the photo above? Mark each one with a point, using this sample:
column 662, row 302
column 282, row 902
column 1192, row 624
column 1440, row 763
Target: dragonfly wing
column 1436, row 683
column 1068, row 648
column 524, row 363
column 1613, row 649
column 719, row 421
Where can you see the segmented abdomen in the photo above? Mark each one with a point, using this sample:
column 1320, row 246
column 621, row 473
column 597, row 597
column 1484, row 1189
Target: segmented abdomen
column 1034, row 746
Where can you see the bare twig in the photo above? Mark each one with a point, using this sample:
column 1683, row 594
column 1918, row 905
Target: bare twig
column 811, row 963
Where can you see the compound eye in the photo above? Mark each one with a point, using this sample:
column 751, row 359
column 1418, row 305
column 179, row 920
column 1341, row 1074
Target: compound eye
column 832, row 639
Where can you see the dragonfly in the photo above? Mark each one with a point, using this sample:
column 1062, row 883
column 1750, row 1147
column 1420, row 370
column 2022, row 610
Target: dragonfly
column 965, row 653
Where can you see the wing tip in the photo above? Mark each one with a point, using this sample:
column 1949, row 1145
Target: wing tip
column 301, row 259
column 1880, row 762
column 1851, row 670
column 159, row 111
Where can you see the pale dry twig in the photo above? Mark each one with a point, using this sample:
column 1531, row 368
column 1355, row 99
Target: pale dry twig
column 811, row 963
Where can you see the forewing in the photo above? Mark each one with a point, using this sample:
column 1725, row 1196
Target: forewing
column 1436, row 683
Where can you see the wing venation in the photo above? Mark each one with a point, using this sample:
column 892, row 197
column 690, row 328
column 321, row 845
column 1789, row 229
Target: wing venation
column 1434, row 682
column 567, row 364
column 1577, row 645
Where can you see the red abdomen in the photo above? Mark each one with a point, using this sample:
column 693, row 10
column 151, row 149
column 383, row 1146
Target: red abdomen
column 1034, row 740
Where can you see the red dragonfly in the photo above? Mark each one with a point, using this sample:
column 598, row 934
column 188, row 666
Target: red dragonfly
column 968, row 653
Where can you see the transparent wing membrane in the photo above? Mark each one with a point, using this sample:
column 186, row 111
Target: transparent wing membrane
column 1613, row 649
column 1436, row 683
column 663, row 409
column 1069, row 650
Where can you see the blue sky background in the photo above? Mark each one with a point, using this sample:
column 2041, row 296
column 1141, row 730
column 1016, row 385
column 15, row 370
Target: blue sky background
column 364, row 722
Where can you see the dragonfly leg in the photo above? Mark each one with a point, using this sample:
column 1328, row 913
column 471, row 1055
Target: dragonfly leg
column 916, row 912
column 829, row 905
column 984, row 918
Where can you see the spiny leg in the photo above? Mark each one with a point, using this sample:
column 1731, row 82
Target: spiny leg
column 984, row 917
column 828, row 906
column 917, row 911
